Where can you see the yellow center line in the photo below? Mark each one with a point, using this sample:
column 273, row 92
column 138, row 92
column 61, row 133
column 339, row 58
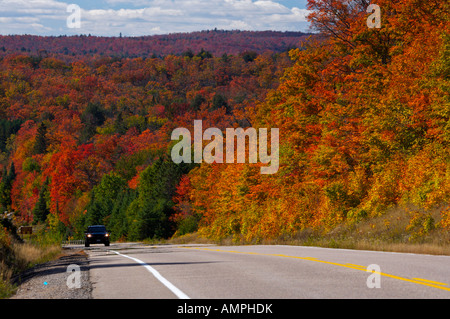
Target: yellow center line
column 359, row 266
column 418, row 281
column 431, row 282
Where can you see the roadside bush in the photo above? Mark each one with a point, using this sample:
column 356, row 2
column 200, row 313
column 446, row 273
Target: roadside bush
column 16, row 257
column 445, row 221
column 5, row 261
column 420, row 225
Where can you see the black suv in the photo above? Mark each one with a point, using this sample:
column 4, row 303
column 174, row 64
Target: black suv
column 96, row 234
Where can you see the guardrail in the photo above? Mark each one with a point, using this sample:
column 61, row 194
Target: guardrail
column 72, row 242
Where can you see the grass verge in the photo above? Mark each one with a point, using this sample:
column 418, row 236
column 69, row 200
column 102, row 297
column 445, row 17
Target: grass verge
column 400, row 229
column 16, row 257
column 405, row 230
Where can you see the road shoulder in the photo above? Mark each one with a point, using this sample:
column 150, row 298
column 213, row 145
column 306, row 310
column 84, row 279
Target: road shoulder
column 49, row 280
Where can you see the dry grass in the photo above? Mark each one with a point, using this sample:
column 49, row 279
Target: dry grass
column 391, row 232
column 192, row 238
column 28, row 255
column 20, row 258
column 6, row 289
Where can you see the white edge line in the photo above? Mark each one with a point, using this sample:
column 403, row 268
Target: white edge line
column 154, row 272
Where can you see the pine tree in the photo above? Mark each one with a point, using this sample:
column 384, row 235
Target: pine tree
column 92, row 117
column 40, row 146
column 41, row 210
column 6, row 186
column 119, row 125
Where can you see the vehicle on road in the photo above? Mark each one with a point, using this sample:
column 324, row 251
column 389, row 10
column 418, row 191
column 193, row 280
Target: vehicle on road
column 96, row 235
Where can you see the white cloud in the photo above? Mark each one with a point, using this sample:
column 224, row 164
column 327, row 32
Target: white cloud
column 271, row 7
column 143, row 17
column 31, row 7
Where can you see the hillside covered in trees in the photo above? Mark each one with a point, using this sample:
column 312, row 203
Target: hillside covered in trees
column 363, row 117
column 86, row 141
column 216, row 42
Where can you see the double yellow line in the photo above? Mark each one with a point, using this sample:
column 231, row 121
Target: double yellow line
column 419, row 281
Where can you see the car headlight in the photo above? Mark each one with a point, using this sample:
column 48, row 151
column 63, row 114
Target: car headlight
column 106, row 235
column 89, row 235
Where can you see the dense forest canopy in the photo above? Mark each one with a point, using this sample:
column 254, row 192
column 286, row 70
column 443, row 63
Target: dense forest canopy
column 363, row 116
column 88, row 137
column 216, row 42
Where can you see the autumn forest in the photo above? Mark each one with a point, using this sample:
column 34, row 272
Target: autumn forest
column 363, row 115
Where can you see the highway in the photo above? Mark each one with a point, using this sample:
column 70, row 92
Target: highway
column 136, row 271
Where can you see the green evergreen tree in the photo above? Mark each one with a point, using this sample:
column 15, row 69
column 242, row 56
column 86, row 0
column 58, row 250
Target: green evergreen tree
column 92, row 117
column 41, row 210
column 7, row 128
column 118, row 222
column 6, row 186
column 149, row 214
column 220, row 101
column 40, row 145
column 197, row 102
column 103, row 198
column 119, row 125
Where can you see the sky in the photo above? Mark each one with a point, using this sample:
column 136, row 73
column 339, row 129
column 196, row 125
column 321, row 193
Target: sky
column 148, row 17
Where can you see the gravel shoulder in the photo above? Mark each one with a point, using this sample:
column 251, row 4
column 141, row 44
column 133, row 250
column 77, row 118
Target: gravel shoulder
column 49, row 280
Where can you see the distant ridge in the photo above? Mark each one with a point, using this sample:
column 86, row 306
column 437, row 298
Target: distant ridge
column 217, row 42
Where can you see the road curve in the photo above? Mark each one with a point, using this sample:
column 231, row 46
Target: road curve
column 135, row 271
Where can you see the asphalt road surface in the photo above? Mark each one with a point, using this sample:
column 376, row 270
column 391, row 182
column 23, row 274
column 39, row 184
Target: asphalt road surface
column 136, row 271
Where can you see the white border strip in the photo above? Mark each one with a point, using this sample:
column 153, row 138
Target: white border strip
column 164, row 281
